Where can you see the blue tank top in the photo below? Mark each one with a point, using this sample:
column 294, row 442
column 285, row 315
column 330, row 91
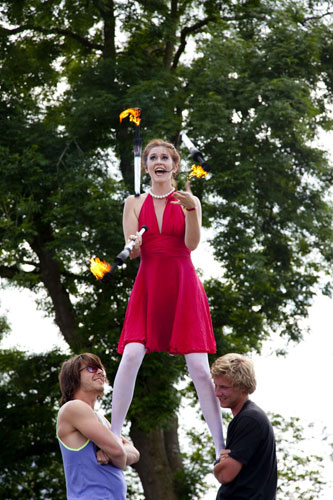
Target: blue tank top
column 86, row 479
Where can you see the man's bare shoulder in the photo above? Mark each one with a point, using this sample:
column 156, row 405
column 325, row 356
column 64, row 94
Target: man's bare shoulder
column 75, row 420
column 73, row 408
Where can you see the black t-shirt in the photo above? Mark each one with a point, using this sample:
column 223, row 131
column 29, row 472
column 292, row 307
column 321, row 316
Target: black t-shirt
column 251, row 440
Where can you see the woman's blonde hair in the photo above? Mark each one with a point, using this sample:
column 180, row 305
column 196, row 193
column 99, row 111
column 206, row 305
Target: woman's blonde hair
column 238, row 369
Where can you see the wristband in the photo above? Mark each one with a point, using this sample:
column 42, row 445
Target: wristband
column 190, row 209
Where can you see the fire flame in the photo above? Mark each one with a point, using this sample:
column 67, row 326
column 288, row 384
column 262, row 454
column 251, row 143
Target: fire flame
column 197, row 171
column 99, row 268
column 134, row 115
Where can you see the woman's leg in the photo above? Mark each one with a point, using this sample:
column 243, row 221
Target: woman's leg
column 198, row 367
column 124, row 384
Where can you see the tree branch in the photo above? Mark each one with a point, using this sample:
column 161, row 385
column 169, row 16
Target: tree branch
column 188, row 30
column 54, row 31
column 8, row 272
column 317, row 17
column 170, row 42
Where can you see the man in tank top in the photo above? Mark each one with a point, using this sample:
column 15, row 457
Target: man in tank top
column 94, row 458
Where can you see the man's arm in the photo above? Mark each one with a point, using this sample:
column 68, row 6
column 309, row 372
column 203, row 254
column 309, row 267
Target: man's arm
column 132, row 453
column 227, row 469
column 77, row 417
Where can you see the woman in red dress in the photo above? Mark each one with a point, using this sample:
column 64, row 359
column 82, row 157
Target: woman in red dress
column 168, row 308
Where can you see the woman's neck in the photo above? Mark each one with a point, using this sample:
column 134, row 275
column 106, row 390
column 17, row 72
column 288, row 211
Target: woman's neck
column 161, row 187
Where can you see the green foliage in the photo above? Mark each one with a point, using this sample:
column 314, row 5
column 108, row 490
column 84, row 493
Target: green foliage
column 198, row 462
column 30, row 463
column 261, row 109
column 4, row 327
column 300, row 473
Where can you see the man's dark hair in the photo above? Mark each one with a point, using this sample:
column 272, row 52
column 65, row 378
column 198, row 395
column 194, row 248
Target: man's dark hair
column 69, row 376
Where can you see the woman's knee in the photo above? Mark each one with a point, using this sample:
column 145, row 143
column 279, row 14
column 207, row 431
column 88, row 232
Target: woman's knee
column 198, row 367
column 133, row 354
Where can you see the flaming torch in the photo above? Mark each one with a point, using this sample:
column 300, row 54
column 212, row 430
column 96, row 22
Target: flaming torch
column 198, row 172
column 203, row 168
column 99, row 267
column 135, row 116
column 102, row 269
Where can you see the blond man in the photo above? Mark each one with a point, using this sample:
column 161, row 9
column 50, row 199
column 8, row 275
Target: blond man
column 247, row 468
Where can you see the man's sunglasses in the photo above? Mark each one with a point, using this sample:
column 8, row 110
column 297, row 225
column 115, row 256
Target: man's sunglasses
column 93, row 369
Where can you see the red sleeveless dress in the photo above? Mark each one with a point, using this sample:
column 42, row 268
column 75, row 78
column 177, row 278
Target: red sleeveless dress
column 168, row 308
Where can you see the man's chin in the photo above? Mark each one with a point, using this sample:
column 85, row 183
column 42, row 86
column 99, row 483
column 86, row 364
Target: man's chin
column 100, row 392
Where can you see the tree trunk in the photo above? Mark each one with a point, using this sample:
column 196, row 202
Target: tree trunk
column 160, row 460
column 108, row 16
column 51, row 277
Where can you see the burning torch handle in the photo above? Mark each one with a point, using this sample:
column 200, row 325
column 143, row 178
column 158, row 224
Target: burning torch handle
column 137, row 175
column 194, row 152
column 122, row 256
column 137, row 148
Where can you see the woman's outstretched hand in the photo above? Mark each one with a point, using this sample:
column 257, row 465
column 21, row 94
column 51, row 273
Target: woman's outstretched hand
column 185, row 198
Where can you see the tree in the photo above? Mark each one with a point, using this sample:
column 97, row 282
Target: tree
column 299, row 472
column 30, row 465
column 246, row 98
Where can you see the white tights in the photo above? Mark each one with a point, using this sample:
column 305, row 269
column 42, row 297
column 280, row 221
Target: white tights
column 198, row 367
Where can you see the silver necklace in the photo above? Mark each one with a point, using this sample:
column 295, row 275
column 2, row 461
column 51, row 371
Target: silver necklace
column 160, row 196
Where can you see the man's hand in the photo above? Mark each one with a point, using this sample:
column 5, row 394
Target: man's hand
column 224, row 455
column 102, row 458
column 227, row 468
